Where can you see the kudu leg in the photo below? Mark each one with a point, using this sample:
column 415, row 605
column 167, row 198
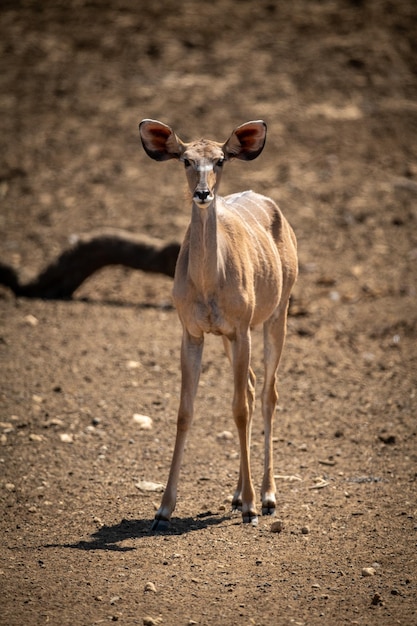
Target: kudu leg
column 274, row 337
column 243, row 401
column 191, row 353
column 237, row 496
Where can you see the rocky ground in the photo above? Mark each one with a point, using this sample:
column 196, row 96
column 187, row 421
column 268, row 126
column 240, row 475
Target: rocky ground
column 80, row 475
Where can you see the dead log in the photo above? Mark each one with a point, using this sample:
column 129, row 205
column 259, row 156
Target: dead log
column 89, row 253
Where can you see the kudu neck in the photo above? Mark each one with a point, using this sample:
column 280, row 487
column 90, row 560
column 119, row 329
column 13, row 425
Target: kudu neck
column 205, row 260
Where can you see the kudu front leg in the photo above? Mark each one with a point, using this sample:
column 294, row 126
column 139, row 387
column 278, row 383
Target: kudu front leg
column 243, row 400
column 191, row 353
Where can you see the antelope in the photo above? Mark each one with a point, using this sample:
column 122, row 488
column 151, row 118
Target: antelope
column 235, row 270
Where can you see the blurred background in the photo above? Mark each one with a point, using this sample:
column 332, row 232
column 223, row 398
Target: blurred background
column 335, row 80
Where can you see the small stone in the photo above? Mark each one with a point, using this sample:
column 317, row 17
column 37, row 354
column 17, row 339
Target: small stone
column 66, row 438
column 10, row 487
column 150, row 587
column 149, row 621
column 114, row 599
column 146, row 485
column 277, row 526
column 376, row 600
column 133, row 365
column 368, row 571
column 225, row 435
column 55, row 421
column 143, row 421
column 34, row 437
column 31, row 320
column 305, row 530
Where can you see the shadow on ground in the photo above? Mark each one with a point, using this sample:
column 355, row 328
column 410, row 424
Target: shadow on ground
column 109, row 537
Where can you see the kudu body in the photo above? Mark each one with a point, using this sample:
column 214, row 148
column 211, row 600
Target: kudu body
column 236, row 268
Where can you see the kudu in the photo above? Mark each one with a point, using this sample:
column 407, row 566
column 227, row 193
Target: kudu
column 235, row 270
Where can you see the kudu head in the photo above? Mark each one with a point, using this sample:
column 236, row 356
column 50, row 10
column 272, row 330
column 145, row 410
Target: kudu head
column 203, row 159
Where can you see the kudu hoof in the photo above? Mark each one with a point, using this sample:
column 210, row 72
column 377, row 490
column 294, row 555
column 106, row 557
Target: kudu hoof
column 160, row 525
column 250, row 518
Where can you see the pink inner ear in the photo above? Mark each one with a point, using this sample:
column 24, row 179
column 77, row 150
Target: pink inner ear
column 249, row 136
column 158, row 135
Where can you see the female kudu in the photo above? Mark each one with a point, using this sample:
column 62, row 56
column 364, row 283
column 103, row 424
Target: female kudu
column 236, row 268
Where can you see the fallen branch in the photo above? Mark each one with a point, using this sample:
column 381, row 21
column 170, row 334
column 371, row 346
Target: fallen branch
column 89, row 253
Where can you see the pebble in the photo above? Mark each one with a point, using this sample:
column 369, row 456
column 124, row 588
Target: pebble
column 31, row 320
column 149, row 621
column 55, row 421
column 133, row 365
column 305, row 530
column 143, row 421
column 66, row 438
column 277, row 526
column 34, row 437
column 150, row 587
column 226, row 435
column 147, row 485
column 368, row 571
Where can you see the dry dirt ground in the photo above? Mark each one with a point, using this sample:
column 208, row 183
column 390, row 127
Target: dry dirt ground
column 336, row 82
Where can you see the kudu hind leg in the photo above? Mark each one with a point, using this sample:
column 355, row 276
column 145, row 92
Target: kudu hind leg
column 243, row 401
column 274, row 337
column 237, row 496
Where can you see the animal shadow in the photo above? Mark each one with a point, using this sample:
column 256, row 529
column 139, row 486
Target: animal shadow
column 111, row 537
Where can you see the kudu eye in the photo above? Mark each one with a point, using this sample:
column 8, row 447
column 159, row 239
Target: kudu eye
column 220, row 162
column 187, row 163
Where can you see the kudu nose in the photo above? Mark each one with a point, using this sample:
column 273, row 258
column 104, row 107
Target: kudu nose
column 201, row 195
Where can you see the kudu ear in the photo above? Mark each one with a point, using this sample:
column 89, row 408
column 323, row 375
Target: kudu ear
column 159, row 140
column 247, row 141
